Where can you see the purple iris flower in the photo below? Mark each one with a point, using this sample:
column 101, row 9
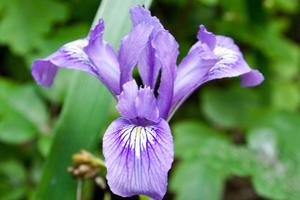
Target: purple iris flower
column 138, row 146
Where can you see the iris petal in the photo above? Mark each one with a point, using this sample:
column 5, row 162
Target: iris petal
column 148, row 64
column 212, row 57
column 131, row 47
column 252, row 78
column 71, row 55
column 166, row 51
column 104, row 58
column 91, row 54
column 137, row 103
column 138, row 158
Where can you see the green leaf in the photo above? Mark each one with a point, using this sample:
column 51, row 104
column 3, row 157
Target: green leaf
column 44, row 144
column 84, row 111
column 286, row 96
column 233, row 107
column 194, row 180
column 23, row 102
column 21, row 29
column 190, row 137
column 13, row 179
column 207, row 158
column 287, row 6
column 194, row 140
column 209, row 2
column 276, row 140
column 15, row 130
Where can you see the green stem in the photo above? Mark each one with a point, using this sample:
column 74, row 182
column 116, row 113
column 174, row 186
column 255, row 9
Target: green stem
column 79, row 189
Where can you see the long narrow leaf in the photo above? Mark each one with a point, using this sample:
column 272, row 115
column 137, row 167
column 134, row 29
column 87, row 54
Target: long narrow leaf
column 84, row 111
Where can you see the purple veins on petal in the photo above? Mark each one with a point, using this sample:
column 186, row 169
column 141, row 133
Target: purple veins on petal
column 138, row 158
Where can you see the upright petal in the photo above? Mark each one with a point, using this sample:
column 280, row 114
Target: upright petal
column 206, row 37
column 131, row 47
column 138, row 158
column 126, row 100
column 140, row 15
column 166, row 51
column 148, row 65
column 138, row 104
column 104, row 58
column 191, row 73
column 146, row 105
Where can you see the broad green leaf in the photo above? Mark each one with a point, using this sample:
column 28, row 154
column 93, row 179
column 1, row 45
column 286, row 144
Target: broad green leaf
column 13, row 179
column 189, row 137
column 84, row 111
column 194, row 180
column 209, row 2
column 287, row 6
column 44, row 144
column 233, row 107
column 286, row 96
column 206, row 159
column 276, row 140
column 15, row 130
column 21, row 29
column 195, row 141
column 24, row 102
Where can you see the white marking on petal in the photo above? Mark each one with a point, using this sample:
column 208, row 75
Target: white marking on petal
column 137, row 138
column 75, row 50
column 227, row 57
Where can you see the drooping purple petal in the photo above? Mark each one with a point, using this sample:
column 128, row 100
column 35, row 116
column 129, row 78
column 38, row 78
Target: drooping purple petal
column 212, row 57
column 77, row 55
column 131, row 47
column 138, row 158
column 148, row 65
column 71, row 56
column 137, row 104
column 252, row 78
column 166, row 51
column 104, row 58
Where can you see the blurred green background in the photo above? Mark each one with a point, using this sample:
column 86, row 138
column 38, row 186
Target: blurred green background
column 231, row 143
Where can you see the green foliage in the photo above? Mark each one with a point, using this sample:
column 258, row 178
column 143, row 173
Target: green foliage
column 24, row 23
column 233, row 107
